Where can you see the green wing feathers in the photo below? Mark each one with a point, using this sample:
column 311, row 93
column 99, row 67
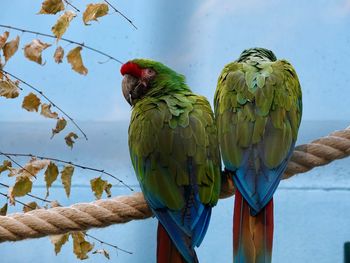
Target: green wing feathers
column 180, row 125
column 259, row 103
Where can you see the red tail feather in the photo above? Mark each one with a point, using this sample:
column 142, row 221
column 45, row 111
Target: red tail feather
column 252, row 235
column 166, row 250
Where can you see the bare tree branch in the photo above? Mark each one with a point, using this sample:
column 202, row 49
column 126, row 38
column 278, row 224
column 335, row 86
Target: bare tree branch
column 30, row 195
column 108, row 244
column 63, row 39
column 116, row 10
column 71, row 5
column 67, row 162
column 6, row 195
column 49, row 100
column 15, row 162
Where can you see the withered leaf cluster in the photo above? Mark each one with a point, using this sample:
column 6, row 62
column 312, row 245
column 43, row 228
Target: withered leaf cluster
column 25, row 176
column 33, row 51
column 81, row 247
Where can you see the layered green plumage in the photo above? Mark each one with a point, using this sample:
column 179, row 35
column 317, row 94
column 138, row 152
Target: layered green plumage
column 254, row 98
column 169, row 132
column 175, row 153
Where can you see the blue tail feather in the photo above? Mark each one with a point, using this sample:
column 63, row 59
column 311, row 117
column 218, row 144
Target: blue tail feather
column 258, row 187
column 179, row 238
column 201, row 227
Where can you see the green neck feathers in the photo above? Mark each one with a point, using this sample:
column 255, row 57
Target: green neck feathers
column 167, row 81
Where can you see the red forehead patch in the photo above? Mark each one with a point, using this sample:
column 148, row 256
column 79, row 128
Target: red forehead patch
column 131, row 69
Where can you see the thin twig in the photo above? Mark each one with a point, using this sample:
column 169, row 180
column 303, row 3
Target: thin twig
column 67, row 162
column 63, row 39
column 70, row 4
column 108, row 244
column 17, row 201
column 30, row 195
column 19, row 165
column 8, row 79
column 116, row 10
column 48, row 99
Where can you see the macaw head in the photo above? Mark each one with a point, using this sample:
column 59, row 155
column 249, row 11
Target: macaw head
column 143, row 77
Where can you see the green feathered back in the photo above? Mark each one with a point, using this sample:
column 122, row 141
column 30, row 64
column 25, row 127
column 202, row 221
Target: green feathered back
column 257, row 101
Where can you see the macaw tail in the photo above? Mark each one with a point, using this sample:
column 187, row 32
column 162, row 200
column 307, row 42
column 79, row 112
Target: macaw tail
column 252, row 235
column 166, row 250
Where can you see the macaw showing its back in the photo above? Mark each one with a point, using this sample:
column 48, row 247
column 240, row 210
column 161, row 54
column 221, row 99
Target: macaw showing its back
column 258, row 110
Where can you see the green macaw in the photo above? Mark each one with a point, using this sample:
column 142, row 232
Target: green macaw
column 258, row 107
column 175, row 153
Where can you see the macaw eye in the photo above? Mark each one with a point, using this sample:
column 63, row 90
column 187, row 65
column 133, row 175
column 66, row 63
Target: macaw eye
column 150, row 72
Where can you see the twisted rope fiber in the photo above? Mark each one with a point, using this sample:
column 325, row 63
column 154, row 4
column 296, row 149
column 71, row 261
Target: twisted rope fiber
column 122, row 209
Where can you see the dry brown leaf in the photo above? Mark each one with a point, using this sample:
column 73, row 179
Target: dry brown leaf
column 6, row 164
column 74, row 58
column 66, row 178
column 62, row 24
column 22, row 186
column 94, row 11
column 98, row 186
column 60, row 125
column 31, row 102
column 3, row 39
column 3, row 210
column 46, row 111
column 30, row 207
column 10, row 48
column 80, row 246
column 8, row 89
column 33, row 50
column 108, row 190
column 59, row 53
column 51, row 7
column 32, row 168
column 102, row 252
column 51, row 174
column 58, row 241
column 70, row 139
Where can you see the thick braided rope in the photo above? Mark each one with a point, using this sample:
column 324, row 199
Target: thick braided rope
column 102, row 213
